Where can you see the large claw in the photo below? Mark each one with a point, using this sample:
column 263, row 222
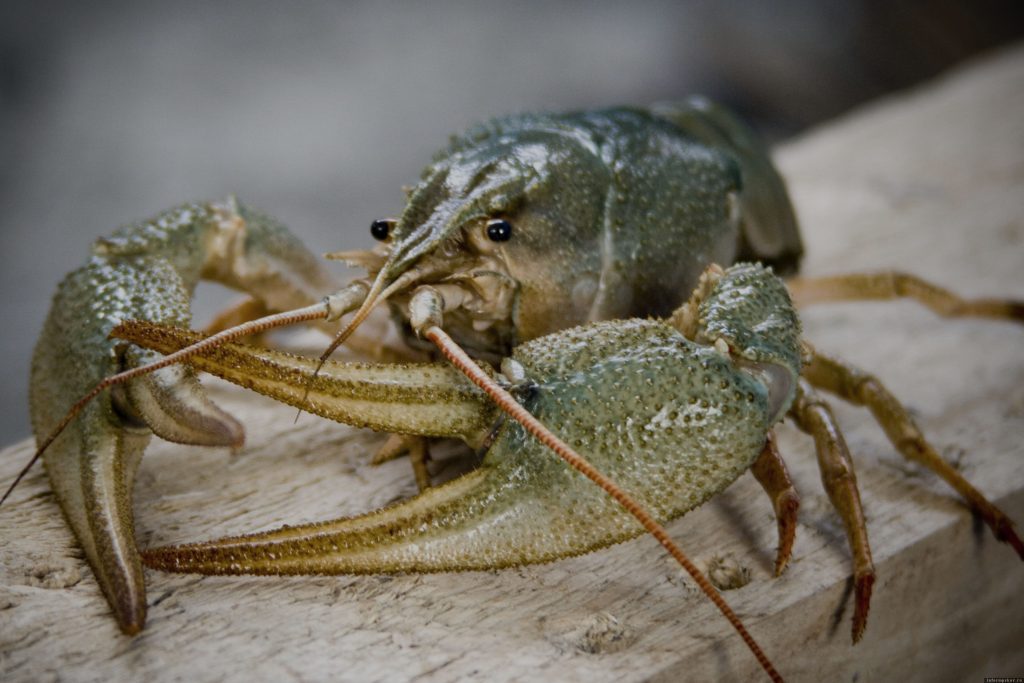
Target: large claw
column 676, row 447
column 92, row 466
column 148, row 271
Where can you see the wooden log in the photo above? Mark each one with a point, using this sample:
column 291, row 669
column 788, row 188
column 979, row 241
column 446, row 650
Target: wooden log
column 928, row 182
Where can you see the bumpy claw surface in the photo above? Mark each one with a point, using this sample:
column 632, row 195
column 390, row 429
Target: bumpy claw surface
column 522, row 505
column 696, row 419
column 147, row 270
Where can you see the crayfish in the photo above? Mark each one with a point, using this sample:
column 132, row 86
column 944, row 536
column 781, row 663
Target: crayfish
column 559, row 252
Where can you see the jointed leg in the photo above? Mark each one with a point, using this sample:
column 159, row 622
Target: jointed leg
column 859, row 387
column 814, row 416
column 241, row 312
column 396, row 446
column 895, row 285
column 770, row 471
column 419, row 455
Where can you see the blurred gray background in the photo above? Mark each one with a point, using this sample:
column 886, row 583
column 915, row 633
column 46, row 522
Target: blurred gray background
column 319, row 112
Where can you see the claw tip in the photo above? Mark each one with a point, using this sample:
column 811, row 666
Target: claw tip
column 131, row 617
column 862, row 595
column 131, row 629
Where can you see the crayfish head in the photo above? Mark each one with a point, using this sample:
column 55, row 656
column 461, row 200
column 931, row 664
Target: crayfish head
column 495, row 219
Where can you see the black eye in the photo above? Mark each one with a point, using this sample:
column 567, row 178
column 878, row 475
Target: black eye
column 499, row 230
column 381, row 227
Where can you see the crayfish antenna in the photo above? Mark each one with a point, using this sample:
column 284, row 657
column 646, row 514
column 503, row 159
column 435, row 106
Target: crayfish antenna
column 378, row 294
column 21, row 475
column 373, row 297
column 458, row 357
column 313, row 312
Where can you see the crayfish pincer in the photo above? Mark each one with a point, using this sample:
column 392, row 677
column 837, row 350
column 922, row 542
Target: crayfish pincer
column 146, row 271
column 697, row 419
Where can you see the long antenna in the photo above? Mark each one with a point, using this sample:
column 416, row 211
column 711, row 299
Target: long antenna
column 377, row 294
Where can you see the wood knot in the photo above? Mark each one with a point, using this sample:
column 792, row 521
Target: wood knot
column 53, row 575
column 597, row 633
column 726, row 573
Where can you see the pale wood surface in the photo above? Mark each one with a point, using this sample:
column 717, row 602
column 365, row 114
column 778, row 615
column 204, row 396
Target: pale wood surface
column 930, row 182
